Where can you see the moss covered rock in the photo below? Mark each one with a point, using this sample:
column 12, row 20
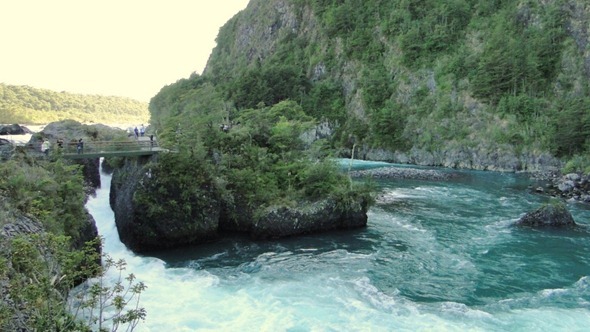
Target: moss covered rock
column 554, row 214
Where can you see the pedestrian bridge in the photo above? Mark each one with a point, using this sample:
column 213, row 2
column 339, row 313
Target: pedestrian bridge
column 142, row 146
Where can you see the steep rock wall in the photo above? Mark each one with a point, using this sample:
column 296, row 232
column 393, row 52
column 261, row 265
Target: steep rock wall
column 141, row 230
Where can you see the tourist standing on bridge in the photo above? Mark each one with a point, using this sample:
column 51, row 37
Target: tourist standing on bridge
column 45, row 147
column 80, row 146
column 136, row 132
column 142, row 130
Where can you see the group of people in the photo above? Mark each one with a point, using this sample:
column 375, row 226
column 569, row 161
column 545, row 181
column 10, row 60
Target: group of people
column 139, row 132
column 46, row 146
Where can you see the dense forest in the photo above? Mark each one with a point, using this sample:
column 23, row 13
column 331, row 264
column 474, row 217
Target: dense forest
column 455, row 79
column 27, row 105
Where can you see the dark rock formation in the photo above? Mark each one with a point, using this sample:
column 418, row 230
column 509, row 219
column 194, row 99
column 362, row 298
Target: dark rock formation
column 208, row 219
column 90, row 171
column 230, row 221
column 140, row 231
column 123, row 185
column 88, row 233
column 20, row 225
column 554, row 214
column 311, row 217
column 13, row 129
column 109, row 164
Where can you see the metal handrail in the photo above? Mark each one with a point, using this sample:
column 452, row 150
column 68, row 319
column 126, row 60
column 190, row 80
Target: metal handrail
column 94, row 147
column 107, row 146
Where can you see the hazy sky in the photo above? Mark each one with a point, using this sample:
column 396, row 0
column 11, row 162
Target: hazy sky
column 128, row 48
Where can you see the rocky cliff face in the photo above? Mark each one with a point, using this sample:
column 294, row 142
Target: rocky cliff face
column 255, row 35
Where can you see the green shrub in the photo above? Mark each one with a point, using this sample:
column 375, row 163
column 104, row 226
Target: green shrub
column 45, row 270
column 577, row 164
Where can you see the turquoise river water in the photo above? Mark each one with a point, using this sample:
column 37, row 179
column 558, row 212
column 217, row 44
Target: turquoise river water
column 435, row 256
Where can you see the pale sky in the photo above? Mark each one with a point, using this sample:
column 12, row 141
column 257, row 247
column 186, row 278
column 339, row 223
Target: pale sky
column 127, row 48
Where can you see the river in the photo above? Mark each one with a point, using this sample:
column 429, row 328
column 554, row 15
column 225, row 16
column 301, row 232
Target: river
column 434, row 256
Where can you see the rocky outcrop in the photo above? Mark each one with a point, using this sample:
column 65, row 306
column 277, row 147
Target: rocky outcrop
column 554, row 214
column 208, row 219
column 310, row 217
column 14, row 129
column 90, row 171
column 143, row 226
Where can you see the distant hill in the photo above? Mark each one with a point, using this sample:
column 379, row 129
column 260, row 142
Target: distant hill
column 24, row 104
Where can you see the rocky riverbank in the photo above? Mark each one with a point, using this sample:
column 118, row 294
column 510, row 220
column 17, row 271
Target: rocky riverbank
column 571, row 186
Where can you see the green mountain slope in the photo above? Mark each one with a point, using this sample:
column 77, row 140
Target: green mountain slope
column 463, row 83
column 23, row 104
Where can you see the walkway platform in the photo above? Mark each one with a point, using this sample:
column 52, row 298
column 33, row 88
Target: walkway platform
column 141, row 146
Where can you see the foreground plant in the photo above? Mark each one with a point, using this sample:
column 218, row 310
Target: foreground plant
column 107, row 305
column 38, row 274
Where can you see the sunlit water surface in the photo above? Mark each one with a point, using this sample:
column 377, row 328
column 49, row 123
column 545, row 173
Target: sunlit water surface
column 434, row 256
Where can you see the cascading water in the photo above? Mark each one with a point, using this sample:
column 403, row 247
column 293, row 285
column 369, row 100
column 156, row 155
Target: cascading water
column 435, row 256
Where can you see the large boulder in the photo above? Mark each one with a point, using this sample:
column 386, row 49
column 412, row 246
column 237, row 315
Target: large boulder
column 311, row 217
column 554, row 214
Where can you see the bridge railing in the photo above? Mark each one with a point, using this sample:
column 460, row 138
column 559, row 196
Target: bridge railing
column 109, row 146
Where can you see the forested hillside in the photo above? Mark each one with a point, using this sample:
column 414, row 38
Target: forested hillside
column 499, row 84
column 23, row 104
